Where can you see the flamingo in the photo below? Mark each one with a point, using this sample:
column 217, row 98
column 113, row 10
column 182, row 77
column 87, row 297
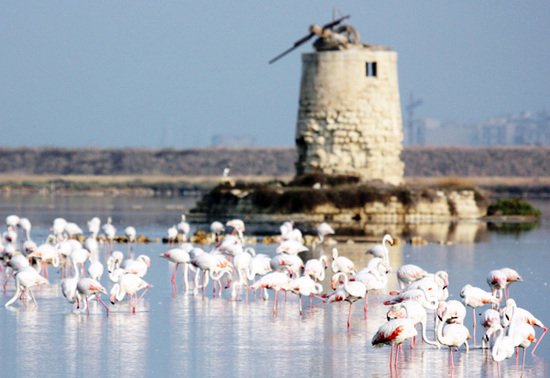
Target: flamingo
column 503, row 346
column 285, row 228
column 521, row 315
column 238, row 227
column 511, row 276
column 130, row 233
column 110, row 232
column 523, row 336
column 95, row 269
column 12, row 221
column 323, row 230
column 414, row 311
column 79, row 256
column 138, row 266
column 275, row 281
column 354, row 290
column 394, row 332
column 452, row 310
column 475, row 297
column 24, row 280
column 26, row 226
column 129, row 284
column 452, row 335
column 172, row 235
column 374, row 277
column 490, row 319
column 87, row 287
column 304, row 285
column 497, row 281
column 217, row 229
column 16, row 262
column 114, row 261
column 342, row 263
column 413, row 294
column 381, row 250
column 409, row 273
column 94, row 225
column 180, row 256
column 47, row 254
column 72, row 230
column 315, row 268
column 183, row 228
column 58, row 228
column 292, row 247
column 211, row 266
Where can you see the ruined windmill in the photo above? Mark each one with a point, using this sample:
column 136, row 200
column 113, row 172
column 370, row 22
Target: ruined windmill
column 349, row 117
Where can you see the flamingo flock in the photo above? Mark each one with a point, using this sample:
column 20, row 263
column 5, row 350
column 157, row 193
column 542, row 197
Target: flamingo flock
column 422, row 298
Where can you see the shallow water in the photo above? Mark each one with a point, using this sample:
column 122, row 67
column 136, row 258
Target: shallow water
column 181, row 334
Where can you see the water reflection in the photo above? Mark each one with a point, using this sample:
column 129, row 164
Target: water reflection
column 126, row 341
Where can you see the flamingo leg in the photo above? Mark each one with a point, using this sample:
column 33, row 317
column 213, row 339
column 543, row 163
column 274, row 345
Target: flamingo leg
column 32, row 297
column 523, row 362
column 275, row 303
column 540, row 338
column 366, row 306
column 186, row 277
column 451, row 360
column 103, row 303
column 300, row 303
column 474, row 331
column 349, row 315
column 143, row 293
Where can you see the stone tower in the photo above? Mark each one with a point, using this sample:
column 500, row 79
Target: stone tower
column 349, row 117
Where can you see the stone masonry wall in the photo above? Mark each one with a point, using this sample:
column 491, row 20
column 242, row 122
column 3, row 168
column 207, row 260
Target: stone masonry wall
column 349, row 122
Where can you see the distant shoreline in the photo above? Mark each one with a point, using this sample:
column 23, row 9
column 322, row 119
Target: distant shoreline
column 174, row 186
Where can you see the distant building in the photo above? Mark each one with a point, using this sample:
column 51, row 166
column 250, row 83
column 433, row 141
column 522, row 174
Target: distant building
column 525, row 128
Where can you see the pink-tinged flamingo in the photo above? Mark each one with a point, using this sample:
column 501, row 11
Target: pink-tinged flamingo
column 394, row 332
column 354, row 290
column 490, row 319
column 304, row 286
column 275, row 281
column 87, row 287
column 47, row 254
column 452, row 335
column 24, row 280
column 414, row 311
column 179, row 256
column 130, row 284
column 497, row 281
column 521, row 315
column 511, row 276
column 475, row 297
column 409, row 273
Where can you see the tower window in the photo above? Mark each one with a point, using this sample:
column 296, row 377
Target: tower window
column 370, row 69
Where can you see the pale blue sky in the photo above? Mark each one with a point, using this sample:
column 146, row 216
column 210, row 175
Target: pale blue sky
column 175, row 73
